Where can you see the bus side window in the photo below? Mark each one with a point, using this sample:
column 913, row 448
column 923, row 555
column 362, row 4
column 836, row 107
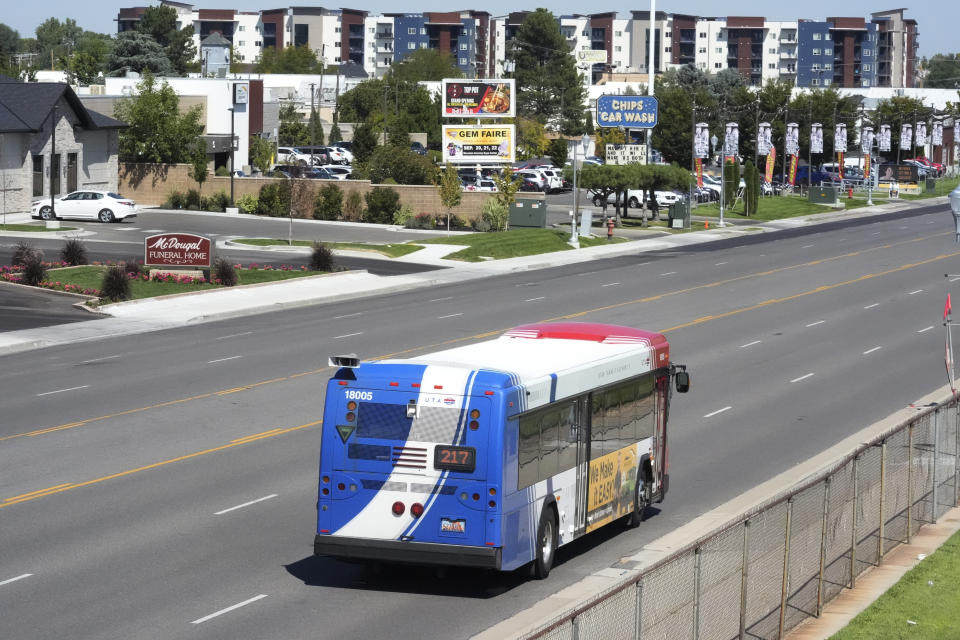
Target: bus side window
column 645, row 408
column 596, row 425
column 628, row 412
column 568, row 437
column 528, row 456
column 549, row 443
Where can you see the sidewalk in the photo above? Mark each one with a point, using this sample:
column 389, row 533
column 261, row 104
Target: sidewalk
column 152, row 314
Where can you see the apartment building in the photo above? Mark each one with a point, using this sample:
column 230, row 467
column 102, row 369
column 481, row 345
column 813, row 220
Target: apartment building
column 896, row 49
column 838, row 52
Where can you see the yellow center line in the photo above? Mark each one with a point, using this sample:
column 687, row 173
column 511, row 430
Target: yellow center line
column 26, row 497
column 255, row 436
column 478, row 336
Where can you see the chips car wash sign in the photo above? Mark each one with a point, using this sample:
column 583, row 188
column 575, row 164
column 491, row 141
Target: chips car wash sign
column 632, row 112
column 177, row 250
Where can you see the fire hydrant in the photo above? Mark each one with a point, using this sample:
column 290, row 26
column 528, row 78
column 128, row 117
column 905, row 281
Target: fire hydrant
column 609, row 229
column 850, row 193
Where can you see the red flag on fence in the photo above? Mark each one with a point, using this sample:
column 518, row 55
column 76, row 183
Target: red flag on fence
column 947, row 309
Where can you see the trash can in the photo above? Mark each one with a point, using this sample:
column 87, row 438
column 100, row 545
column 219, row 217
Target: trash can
column 931, row 185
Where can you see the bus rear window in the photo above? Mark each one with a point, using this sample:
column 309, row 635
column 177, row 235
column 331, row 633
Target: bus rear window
column 383, row 421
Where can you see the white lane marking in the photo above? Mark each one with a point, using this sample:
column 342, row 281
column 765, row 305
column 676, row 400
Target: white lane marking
column 813, row 324
column 47, row 393
column 806, row 246
column 876, row 233
column 348, row 335
column 719, row 263
column 668, row 273
column 954, row 279
column 802, row 378
column 452, row 315
column 223, row 359
column 718, row 411
column 750, row 344
column 869, row 351
column 349, row 315
column 904, row 227
column 437, row 300
column 229, row 609
column 915, row 292
column 153, row 230
column 641, row 264
column 925, row 329
column 534, row 299
column 586, row 273
column 871, row 306
column 245, row 504
column 932, row 222
column 99, row 359
column 235, row 335
column 26, row 575
column 610, row 284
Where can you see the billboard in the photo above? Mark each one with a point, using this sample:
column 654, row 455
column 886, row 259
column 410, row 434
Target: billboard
column 632, row 112
column 479, row 144
column 626, row 154
column 177, row 250
column 479, row 98
column 898, row 173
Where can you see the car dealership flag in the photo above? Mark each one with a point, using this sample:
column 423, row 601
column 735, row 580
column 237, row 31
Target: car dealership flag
column 793, row 138
column 764, row 138
column 701, row 140
column 884, row 140
column 731, row 140
column 906, row 136
column 947, row 309
column 936, row 138
column 840, row 138
column 816, row 138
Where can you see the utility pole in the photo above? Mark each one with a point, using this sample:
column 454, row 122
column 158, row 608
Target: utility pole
column 786, row 118
column 313, row 128
column 693, row 146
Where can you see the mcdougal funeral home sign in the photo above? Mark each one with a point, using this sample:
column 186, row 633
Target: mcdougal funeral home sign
column 177, row 250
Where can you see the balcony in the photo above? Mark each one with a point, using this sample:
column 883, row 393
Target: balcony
column 385, row 34
column 788, row 55
column 788, row 39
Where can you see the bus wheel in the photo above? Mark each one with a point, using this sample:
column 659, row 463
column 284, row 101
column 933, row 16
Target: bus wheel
column 641, row 500
column 546, row 544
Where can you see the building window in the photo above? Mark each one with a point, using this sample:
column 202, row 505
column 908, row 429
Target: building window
column 336, row 29
column 463, row 62
column 815, row 52
column 702, row 50
column 772, row 51
column 423, row 45
column 37, row 176
column 423, row 31
column 720, row 35
column 772, row 65
column 463, row 46
column 703, row 34
column 866, row 67
column 718, row 65
column 618, row 49
column 241, row 28
column 258, row 43
column 373, row 60
column 667, row 49
column 815, row 66
column 618, row 34
column 828, row 52
column 411, row 31
column 411, row 45
column 337, row 59
column 866, row 83
column 828, row 67
column 702, row 65
column 867, row 52
column 816, row 36
column 373, row 30
column 815, row 82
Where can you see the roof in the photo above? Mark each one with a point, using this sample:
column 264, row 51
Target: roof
column 351, row 69
column 26, row 106
column 215, row 40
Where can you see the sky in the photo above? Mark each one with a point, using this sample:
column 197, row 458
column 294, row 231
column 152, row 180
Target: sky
column 936, row 18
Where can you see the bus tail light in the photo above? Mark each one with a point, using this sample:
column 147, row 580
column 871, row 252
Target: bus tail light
column 493, row 504
column 416, row 509
column 398, row 508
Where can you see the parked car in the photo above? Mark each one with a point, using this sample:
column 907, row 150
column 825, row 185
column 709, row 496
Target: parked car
column 922, row 169
column 338, row 171
column 347, row 153
column 104, row 206
column 529, row 184
column 936, row 166
column 479, row 184
column 534, row 176
column 293, row 155
column 554, row 179
column 418, row 148
column 318, row 155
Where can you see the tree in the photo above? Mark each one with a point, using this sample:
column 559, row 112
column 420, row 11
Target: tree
column 180, row 50
column 558, row 151
column 335, row 135
column 399, row 164
column 532, row 141
column 261, row 153
column 89, row 61
column 57, row 38
column 157, row 132
column 287, row 60
column 750, row 189
column 451, row 193
column 293, row 131
column 425, row 65
column 549, row 88
column 138, row 52
column 608, row 135
column 658, row 177
column 943, row 71
column 731, row 182
column 198, row 163
column 508, row 183
column 9, row 45
column 159, row 23
column 364, row 142
column 316, row 129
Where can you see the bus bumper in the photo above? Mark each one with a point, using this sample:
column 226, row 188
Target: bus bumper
column 407, row 552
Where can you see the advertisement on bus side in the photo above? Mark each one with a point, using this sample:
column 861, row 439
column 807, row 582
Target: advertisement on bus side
column 613, row 479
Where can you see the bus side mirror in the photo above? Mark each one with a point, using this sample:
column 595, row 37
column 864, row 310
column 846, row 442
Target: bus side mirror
column 682, row 381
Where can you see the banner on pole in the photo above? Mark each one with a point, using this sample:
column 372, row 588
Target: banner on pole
column 906, row 136
column 701, row 140
column 840, row 138
column 764, row 138
column 816, row 138
column 884, row 141
column 793, row 170
column 936, row 138
column 731, row 140
column 771, row 159
column 840, row 164
column 793, row 139
column 921, row 133
column 866, row 140
column 698, row 164
column 866, row 166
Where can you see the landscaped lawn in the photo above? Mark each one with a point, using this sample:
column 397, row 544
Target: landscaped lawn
column 928, row 595
column 390, row 250
column 40, row 226
column 513, row 243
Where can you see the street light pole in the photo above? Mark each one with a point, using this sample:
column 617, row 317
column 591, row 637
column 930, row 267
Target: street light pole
column 313, row 127
column 232, row 152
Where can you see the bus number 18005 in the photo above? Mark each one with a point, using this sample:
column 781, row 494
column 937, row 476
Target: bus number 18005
column 359, row 395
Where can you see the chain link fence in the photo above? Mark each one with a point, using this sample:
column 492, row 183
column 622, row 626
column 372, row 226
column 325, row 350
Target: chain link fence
column 779, row 562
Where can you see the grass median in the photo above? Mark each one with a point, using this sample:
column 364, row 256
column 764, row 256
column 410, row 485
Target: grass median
column 389, row 250
column 513, row 244
column 925, row 603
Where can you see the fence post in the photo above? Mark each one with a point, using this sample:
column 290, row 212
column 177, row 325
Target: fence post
column 786, row 568
column 639, row 606
column 853, row 534
column 744, row 569
column 575, row 628
column 883, row 498
column 956, row 452
column 697, row 554
column 909, row 481
column 823, row 544
column 936, row 458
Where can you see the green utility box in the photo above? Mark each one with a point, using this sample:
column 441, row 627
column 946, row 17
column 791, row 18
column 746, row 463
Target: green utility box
column 679, row 213
column 823, row 195
column 528, row 213
column 931, row 185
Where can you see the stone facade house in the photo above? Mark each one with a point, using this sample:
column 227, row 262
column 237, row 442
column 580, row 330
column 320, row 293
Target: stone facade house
column 82, row 153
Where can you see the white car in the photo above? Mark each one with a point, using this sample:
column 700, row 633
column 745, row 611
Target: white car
column 339, row 171
column 480, row 184
column 293, row 155
column 554, row 178
column 347, row 154
column 534, row 176
column 104, row 206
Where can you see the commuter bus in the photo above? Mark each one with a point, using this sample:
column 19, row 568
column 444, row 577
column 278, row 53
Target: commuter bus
column 496, row 453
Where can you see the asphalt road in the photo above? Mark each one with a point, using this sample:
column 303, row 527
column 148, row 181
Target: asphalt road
column 164, row 485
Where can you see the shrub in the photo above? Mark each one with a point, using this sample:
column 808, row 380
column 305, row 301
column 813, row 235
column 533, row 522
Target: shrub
column 116, row 284
column 353, row 207
column 248, row 203
column 456, row 222
column 222, row 171
column 34, row 271
column 218, row 201
column 224, row 271
column 192, row 199
column 382, row 204
column 321, row 259
column 274, row 199
column 132, row 267
column 74, row 252
column 481, row 224
column 496, row 213
column 329, row 203
column 175, row 200
column 420, row 221
column 403, row 215
column 23, row 252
